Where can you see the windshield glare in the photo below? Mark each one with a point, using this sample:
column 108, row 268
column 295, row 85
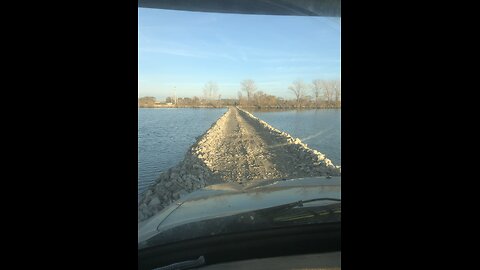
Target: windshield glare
column 238, row 116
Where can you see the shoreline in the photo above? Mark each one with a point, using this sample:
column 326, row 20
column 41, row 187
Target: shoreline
column 243, row 107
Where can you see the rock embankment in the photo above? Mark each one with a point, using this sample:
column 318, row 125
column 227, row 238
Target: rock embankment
column 239, row 148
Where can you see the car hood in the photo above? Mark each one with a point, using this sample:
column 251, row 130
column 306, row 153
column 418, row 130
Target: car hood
column 230, row 198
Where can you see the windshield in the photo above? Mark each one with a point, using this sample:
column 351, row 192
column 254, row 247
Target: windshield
column 238, row 114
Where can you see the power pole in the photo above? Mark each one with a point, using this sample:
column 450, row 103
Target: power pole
column 175, row 94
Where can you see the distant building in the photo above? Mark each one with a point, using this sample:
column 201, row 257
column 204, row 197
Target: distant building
column 159, row 104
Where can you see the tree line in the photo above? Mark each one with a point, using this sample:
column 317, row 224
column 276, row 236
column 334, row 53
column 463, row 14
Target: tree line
column 317, row 94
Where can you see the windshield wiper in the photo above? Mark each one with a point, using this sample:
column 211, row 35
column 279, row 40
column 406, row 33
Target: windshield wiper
column 297, row 204
column 282, row 213
column 266, row 218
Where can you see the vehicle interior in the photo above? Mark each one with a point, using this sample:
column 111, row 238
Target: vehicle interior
column 306, row 232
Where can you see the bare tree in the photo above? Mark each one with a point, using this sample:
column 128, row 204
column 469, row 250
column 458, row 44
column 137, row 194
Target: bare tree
column 327, row 93
column 316, row 90
column 195, row 101
column 249, row 87
column 210, row 90
column 298, row 88
column 240, row 98
column 148, row 102
column 337, row 92
column 331, row 93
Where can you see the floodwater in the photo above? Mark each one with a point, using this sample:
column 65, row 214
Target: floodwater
column 165, row 135
column 320, row 129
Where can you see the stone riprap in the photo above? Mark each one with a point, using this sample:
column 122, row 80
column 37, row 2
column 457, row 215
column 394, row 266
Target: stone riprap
column 239, row 148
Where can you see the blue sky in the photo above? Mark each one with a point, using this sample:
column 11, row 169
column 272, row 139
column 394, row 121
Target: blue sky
column 183, row 50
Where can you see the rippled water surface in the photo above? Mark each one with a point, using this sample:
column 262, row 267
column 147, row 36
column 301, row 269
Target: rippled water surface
column 319, row 129
column 164, row 136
